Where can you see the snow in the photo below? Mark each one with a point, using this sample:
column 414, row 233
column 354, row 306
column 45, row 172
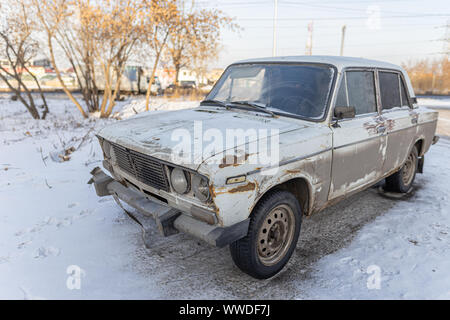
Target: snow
column 410, row 244
column 442, row 105
column 52, row 223
column 438, row 102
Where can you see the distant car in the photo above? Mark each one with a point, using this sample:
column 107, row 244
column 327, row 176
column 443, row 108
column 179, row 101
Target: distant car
column 188, row 84
column 183, row 88
column 170, row 89
column 342, row 124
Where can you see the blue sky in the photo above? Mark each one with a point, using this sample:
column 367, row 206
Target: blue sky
column 406, row 29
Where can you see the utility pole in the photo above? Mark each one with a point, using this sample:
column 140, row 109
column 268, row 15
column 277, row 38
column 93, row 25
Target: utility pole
column 342, row 39
column 275, row 18
column 308, row 49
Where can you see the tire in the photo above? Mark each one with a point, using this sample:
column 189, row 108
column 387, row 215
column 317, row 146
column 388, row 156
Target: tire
column 402, row 180
column 263, row 254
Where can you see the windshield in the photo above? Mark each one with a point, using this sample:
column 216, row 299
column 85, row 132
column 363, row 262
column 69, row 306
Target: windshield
column 302, row 90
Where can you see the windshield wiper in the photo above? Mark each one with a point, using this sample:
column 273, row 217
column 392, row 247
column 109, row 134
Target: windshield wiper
column 217, row 102
column 260, row 106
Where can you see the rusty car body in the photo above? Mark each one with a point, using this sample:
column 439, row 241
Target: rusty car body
column 322, row 159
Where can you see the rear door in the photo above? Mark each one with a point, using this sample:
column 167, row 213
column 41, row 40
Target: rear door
column 357, row 142
column 400, row 120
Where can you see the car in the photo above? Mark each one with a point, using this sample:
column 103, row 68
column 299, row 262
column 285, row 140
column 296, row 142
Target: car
column 170, row 89
column 183, row 88
column 188, row 85
column 276, row 139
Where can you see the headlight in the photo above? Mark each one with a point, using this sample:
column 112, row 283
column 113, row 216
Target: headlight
column 200, row 187
column 179, row 181
column 107, row 148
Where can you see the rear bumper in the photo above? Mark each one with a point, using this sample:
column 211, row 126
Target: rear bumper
column 168, row 220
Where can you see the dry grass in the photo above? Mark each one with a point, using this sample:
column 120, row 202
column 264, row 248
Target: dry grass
column 191, row 95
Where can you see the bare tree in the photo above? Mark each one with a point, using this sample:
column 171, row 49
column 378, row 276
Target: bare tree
column 161, row 23
column 52, row 14
column 117, row 27
column 18, row 46
column 429, row 76
column 77, row 43
column 197, row 34
column 97, row 38
column 202, row 57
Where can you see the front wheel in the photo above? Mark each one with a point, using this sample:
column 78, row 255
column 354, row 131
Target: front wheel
column 272, row 236
column 402, row 180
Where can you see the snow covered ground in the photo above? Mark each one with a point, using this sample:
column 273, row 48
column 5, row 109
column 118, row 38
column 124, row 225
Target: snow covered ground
column 53, row 228
column 409, row 245
column 437, row 102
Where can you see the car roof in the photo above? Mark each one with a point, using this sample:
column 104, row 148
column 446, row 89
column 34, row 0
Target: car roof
column 337, row 61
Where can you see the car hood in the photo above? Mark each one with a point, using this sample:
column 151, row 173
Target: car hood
column 158, row 133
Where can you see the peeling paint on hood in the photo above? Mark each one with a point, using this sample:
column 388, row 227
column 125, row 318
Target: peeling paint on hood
column 152, row 134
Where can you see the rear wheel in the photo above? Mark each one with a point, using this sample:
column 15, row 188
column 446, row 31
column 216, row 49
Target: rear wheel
column 272, row 236
column 402, row 180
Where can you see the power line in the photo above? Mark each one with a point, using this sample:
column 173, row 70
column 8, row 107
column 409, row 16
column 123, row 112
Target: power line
column 208, row 4
column 384, row 27
column 311, row 5
column 348, row 17
column 446, row 44
column 360, row 1
column 350, row 45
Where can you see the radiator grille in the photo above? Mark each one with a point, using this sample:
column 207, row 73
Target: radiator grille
column 144, row 168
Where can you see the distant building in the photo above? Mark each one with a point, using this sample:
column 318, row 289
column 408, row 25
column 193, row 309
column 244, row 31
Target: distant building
column 37, row 71
column 53, row 81
column 166, row 76
column 133, row 80
column 4, row 63
column 188, row 75
column 45, row 63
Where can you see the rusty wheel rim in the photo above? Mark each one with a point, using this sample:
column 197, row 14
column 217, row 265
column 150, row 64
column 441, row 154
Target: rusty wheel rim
column 408, row 170
column 276, row 234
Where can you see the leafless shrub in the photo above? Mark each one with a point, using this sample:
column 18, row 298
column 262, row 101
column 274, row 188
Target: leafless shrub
column 18, row 46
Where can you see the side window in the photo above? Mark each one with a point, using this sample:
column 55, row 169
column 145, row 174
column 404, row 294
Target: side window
column 392, row 90
column 358, row 90
column 342, row 97
column 404, row 96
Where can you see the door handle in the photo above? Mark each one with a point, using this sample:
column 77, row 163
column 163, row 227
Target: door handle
column 381, row 129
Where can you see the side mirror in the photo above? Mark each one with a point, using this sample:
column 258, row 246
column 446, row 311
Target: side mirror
column 344, row 112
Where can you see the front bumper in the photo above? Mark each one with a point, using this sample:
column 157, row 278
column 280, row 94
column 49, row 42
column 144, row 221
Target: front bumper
column 168, row 220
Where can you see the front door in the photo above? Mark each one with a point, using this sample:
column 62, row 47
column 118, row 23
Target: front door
column 359, row 142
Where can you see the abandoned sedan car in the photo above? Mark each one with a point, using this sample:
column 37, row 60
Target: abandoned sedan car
column 274, row 140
